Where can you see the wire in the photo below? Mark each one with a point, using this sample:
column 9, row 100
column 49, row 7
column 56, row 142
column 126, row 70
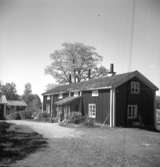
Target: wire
column 125, row 160
column 132, row 36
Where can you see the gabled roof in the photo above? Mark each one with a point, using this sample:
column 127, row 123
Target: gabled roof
column 16, row 103
column 3, row 99
column 102, row 83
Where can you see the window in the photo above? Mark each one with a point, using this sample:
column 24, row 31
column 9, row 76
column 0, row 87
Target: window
column 92, row 110
column 60, row 96
column 135, row 87
column 95, row 93
column 48, row 98
column 76, row 94
column 132, row 111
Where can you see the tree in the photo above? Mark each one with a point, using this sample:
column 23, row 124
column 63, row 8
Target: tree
column 73, row 62
column 28, row 89
column 33, row 101
column 9, row 90
column 50, row 86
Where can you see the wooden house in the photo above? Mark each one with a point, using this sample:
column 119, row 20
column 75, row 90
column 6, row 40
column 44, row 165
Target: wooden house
column 10, row 106
column 124, row 100
column 15, row 105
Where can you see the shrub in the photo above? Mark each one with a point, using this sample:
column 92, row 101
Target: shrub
column 76, row 118
column 14, row 116
column 44, row 117
column 25, row 114
column 54, row 119
column 90, row 122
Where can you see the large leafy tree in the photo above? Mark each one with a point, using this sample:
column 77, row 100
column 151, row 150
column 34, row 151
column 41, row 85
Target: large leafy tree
column 9, row 90
column 33, row 101
column 74, row 62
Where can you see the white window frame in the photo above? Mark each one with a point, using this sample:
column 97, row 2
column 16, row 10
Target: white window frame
column 76, row 94
column 95, row 93
column 60, row 96
column 132, row 111
column 92, row 110
column 135, row 87
column 48, row 97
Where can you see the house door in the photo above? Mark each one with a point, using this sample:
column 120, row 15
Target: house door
column 48, row 108
column 132, row 115
column 1, row 112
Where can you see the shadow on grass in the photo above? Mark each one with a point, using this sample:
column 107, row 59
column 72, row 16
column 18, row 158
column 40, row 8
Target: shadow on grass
column 17, row 142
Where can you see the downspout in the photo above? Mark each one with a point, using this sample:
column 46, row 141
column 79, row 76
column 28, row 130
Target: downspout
column 112, row 107
column 51, row 107
column 155, row 113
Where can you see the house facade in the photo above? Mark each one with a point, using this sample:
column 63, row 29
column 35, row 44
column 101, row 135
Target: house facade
column 15, row 106
column 10, row 106
column 120, row 100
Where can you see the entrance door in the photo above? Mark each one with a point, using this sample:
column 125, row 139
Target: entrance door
column 132, row 115
column 1, row 112
column 48, row 108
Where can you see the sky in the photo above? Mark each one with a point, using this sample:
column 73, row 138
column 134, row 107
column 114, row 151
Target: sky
column 30, row 30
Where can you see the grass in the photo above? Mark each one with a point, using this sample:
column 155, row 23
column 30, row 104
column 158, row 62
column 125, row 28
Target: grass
column 102, row 147
column 16, row 142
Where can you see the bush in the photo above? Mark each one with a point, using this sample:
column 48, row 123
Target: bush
column 77, row 118
column 25, row 114
column 14, row 116
column 54, row 119
column 44, row 116
column 90, row 122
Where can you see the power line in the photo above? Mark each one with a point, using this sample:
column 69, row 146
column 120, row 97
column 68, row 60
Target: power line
column 132, row 35
column 125, row 160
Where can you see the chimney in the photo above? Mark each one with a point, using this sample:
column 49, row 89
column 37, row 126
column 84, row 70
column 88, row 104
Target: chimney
column 111, row 71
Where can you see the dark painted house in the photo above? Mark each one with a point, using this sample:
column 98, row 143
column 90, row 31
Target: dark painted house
column 10, row 106
column 15, row 105
column 119, row 100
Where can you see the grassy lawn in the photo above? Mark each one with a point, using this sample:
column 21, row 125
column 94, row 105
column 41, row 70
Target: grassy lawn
column 16, row 142
column 100, row 147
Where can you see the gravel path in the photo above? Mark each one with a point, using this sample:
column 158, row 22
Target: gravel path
column 49, row 130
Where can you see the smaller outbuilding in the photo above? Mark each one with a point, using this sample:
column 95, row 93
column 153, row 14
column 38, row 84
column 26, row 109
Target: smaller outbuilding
column 10, row 106
column 15, row 105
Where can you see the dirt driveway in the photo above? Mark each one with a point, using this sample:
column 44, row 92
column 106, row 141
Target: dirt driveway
column 49, row 130
column 92, row 147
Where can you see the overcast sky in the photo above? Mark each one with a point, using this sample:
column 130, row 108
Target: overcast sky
column 32, row 29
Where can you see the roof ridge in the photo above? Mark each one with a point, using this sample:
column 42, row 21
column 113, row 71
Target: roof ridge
column 96, row 80
column 104, row 77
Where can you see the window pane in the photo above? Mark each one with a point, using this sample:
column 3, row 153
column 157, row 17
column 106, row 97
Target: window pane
column 95, row 93
column 135, row 87
column 92, row 110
